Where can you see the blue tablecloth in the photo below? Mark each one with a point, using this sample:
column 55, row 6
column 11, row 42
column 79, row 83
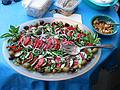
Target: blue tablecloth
column 15, row 14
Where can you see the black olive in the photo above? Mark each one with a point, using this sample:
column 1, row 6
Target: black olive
column 67, row 25
column 41, row 22
column 26, row 27
column 72, row 70
column 11, row 58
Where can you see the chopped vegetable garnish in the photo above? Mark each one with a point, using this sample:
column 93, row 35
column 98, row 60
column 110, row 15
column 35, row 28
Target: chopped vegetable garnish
column 38, row 47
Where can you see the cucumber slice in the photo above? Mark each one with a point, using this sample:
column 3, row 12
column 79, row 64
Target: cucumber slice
column 63, row 65
column 34, row 63
column 28, row 53
column 52, row 61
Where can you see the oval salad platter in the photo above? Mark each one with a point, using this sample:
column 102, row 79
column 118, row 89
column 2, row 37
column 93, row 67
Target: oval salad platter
column 34, row 49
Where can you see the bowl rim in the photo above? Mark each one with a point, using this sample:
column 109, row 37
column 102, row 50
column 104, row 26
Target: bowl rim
column 93, row 18
column 103, row 5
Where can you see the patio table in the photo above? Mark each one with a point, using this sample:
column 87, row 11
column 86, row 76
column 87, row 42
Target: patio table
column 15, row 14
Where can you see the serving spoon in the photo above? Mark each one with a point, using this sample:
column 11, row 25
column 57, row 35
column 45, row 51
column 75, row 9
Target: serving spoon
column 75, row 50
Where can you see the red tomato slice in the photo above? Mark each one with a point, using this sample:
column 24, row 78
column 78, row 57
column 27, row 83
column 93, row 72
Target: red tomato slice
column 49, row 45
column 40, row 63
column 70, row 33
column 71, row 28
column 76, row 62
column 57, row 44
column 33, row 60
column 58, row 61
column 19, row 49
column 26, row 60
column 26, row 41
column 65, row 42
column 80, row 35
column 30, row 56
column 40, row 43
column 83, row 58
column 86, row 51
column 89, row 44
column 12, row 47
column 20, row 40
column 45, row 47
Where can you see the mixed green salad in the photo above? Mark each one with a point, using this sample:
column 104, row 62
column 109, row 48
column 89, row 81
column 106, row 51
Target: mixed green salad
column 38, row 47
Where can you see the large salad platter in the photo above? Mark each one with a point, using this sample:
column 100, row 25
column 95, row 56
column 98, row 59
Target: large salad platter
column 34, row 49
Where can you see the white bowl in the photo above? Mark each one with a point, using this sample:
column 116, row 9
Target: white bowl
column 57, row 76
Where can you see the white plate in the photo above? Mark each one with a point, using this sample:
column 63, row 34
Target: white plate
column 57, row 76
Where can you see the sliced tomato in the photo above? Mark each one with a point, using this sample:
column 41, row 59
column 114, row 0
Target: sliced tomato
column 30, row 56
column 89, row 44
column 20, row 40
column 70, row 33
column 82, row 56
column 37, row 43
column 40, row 43
column 65, row 42
column 12, row 47
column 76, row 62
column 33, row 60
column 26, row 60
column 71, row 28
column 26, row 41
column 18, row 49
column 86, row 51
column 49, row 45
column 81, row 35
column 58, row 61
column 45, row 47
column 40, row 63
column 31, row 42
column 57, row 44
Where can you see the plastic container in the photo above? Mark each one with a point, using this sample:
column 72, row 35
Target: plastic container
column 36, row 8
column 100, row 6
column 67, row 7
